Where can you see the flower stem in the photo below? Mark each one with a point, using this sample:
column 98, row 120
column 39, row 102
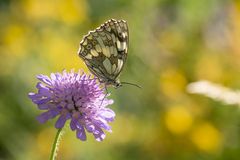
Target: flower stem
column 56, row 144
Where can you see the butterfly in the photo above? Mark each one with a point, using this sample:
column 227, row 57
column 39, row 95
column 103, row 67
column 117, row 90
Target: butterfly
column 104, row 51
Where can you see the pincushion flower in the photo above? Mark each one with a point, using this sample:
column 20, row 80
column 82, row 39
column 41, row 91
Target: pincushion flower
column 77, row 97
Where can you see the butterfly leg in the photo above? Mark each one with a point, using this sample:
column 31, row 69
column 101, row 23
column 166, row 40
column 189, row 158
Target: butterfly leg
column 105, row 86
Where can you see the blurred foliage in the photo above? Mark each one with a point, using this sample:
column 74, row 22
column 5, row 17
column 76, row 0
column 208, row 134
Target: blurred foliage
column 172, row 43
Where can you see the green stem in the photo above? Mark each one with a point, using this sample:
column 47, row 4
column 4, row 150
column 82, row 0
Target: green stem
column 56, row 144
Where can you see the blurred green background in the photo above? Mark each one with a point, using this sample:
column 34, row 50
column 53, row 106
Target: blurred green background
column 172, row 43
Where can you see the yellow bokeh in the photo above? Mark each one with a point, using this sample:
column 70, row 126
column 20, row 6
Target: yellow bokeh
column 207, row 138
column 35, row 9
column 70, row 12
column 14, row 40
column 178, row 119
column 209, row 67
column 73, row 13
column 172, row 82
column 44, row 141
column 61, row 53
column 14, row 46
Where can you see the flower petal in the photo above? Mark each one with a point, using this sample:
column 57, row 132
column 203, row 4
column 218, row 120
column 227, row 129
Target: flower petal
column 44, row 106
column 90, row 127
column 42, row 101
column 53, row 76
column 107, row 114
column 73, row 124
column 62, row 120
column 81, row 134
column 99, row 134
column 34, row 96
column 44, row 117
column 44, row 79
column 102, row 124
column 43, row 90
column 47, row 115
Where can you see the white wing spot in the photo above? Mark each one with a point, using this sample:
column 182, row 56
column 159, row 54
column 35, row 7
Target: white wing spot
column 120, row 64
column 108, row 66
column 90, row 37
column 88, row 56
column 121, row 45
column 123, row 35
column 106, row 51
column 94, row 52
column 98, row 48
column 124, row 45
column 85, row 42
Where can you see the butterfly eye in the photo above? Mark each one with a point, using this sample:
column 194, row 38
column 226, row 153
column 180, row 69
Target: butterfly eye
column 117, row 85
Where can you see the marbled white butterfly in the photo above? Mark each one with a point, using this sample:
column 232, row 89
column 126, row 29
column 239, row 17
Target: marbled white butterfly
column 104, row 51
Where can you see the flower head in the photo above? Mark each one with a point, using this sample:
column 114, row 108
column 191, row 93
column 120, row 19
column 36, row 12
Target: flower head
column 74, row 96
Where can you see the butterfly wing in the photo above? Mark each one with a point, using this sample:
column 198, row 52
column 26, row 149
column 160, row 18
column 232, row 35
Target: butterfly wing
column 104, row 50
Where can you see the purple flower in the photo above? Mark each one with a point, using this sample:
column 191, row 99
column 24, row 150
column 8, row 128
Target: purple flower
column 75, row 96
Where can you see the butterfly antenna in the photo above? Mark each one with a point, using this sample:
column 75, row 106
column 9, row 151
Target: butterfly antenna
column 132, row 84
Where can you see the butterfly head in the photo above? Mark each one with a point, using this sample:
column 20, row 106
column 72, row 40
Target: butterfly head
column 115, row 83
